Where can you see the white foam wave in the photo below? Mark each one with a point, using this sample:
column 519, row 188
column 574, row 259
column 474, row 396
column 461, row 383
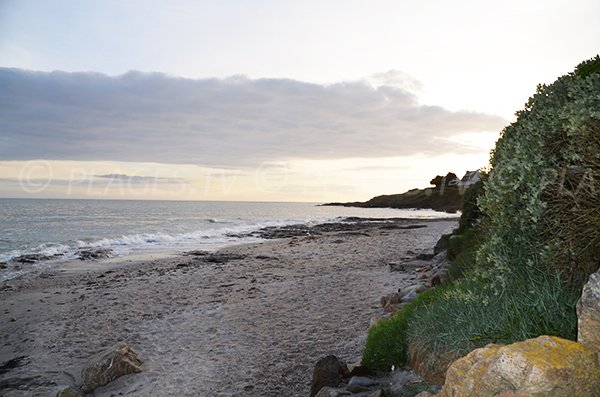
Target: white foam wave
column 45, row 249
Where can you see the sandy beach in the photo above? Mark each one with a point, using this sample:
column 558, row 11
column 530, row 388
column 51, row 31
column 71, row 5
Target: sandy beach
column 249, row 320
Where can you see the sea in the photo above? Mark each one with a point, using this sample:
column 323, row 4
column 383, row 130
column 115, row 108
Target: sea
column 58, row 230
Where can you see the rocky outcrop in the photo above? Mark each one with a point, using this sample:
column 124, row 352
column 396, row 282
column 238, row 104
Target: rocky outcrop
column 588, row 313
column 94, row 254
column 107, row 366
column 542, row 367
column 445, row 198
column 447, row 195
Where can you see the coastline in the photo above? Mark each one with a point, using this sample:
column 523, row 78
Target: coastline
column 250, row 321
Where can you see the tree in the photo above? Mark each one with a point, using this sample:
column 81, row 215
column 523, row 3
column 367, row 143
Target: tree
column 444, row 180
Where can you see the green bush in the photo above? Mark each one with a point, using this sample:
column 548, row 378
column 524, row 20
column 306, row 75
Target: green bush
column 521, row 261
column 588, row 67
column 550, row 134
column 471, row 213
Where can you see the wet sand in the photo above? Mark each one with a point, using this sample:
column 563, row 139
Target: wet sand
column 250, row 320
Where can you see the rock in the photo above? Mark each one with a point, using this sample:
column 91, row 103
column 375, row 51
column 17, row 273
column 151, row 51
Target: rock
column 438, row 278
column 328, row 371
column 378, row 393
column 588, row 313
column 31, row 258
column 196, row 253
column 424, row 394
column 362, row 381
column 397, row 267
column 424, row 256
column 94, row 254
column 410, row 293
column 442, row 244
column 223, row 257
column 107, row 366
column 332, row 392
column 69, row 392
column 514, row 395
column 389, row 299
column 410, row 296
column 357, row 388
column 546, row 366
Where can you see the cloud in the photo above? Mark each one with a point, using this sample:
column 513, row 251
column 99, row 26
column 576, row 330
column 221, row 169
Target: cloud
column 233, row 122
column 140, row 180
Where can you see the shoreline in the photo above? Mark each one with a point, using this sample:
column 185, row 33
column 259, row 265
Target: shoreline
column 31, row 264
column 247, row 320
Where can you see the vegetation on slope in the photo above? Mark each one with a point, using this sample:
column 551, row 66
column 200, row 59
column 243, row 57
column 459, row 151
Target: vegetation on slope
column 530, row 243
column 443, row 197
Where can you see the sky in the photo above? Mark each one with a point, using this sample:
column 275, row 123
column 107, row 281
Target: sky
column 268, row 100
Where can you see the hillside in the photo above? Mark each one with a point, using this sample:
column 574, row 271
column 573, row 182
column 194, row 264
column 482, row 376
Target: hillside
column 529, row 238
column 446, row 196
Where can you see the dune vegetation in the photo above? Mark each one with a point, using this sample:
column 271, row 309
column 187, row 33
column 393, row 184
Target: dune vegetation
column 529, row 236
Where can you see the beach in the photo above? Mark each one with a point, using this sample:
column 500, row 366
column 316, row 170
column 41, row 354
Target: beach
column 247, row 320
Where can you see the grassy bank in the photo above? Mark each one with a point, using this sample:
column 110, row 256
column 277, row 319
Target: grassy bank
column 529, row 236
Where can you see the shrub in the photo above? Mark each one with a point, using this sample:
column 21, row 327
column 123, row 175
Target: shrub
column 572, row 216
column 471, row 213
column 527, row 224
column 521, row 261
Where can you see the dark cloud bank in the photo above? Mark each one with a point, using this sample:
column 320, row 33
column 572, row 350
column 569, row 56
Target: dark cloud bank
column 141, row 117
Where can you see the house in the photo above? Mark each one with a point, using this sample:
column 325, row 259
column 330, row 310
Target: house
column 470, row 178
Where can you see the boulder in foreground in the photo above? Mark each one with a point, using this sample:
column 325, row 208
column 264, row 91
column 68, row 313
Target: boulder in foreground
column 328, row 371
column 546, row 366
column 107, row 366
column 588, row 313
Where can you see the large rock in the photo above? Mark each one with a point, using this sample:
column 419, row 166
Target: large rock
column 588, row 313
column 332, row 392
column 546, row 366
column 442, row 244
column 328, row 371
column 107, row 366
column 69, row 392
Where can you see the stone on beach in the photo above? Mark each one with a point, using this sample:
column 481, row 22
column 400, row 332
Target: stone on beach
column 361, row 381
column 328, row 371
column 332, row 392
column 390, row 299
column 107, row 366
column 410, row 294
column 94, row 254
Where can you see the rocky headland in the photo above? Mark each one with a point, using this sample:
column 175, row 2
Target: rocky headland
column 446, row 195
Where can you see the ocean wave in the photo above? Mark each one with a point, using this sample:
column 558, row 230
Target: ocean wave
column 48, row 250
column 126, row 244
